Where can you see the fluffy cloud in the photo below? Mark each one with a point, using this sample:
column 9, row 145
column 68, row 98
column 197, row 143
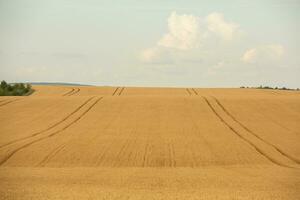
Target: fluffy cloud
column 216, row 24
column 210, row 40
column 184, row 32
column 262, row 54
column 156, row 55
column 189, row 33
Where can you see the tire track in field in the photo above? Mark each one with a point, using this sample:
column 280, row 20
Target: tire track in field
column 51, row 155
column 133, row 157
column 243, row 138
column 275, row 121
column 145, row 160
column 100, row 159
column 3, row 100
column 121, row 91
column 8, row 102
column 194, row 157
column 125, row 147
column 187, row 89
column 6, row 158
column 69, row 92
column 198, row 131
column 172, row 155
column 115, row 91
column 122, row 151
column 196, row 93
column 191, row 149
column 254, row 134
column 51, row 127
column 74, row 92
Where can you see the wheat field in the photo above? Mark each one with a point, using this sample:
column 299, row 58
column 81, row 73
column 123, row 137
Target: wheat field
column 85, row 142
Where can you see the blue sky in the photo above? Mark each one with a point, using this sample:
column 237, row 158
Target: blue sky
column 151, row 43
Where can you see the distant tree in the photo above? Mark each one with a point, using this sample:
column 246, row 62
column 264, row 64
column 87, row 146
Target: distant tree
column 16, row 89
column 2, row 92
column 271, row 88
column 21, row 86
column 28, row 88
column 3, row 84
column 267, row 87
column 9, row 88
column 17, row 92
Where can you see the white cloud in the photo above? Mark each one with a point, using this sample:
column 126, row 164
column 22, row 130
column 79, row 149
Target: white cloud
column 262, row 54
column 156, row 55
column 217, row 25
column 213, row 70
column 149, row 54
column 250, row 55
column 184, row 32
column 187, row 34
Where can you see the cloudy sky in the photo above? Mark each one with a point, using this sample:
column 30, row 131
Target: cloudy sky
column 179, row 43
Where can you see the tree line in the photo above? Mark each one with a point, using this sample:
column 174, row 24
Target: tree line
column 15, row 89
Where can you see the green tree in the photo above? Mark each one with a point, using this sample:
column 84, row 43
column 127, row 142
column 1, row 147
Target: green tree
column 16, row 89
column 3, row 84
column 2, row 92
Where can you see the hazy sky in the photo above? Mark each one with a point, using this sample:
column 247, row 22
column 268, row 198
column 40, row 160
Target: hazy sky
column 151, row 43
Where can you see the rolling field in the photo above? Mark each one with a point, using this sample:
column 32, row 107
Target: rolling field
column 85, row 142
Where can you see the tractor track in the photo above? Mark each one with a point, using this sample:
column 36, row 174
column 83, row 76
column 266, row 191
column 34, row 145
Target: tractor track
column 8, row 102
column 107, row 147
column 115, row 91
column 189, row 92
column 3, row 100
column 275, row 121
column 6, row 158
column 243, row 138
column 100, row 159
column 172, row 155
column 49, row 128
column 192, row 91
column 145, row 160
column 135, row 156
column 121, row 152
column 254, row 134
column 191, row 119
column 74, row 92
column 121, row 91
column 196, row 93
column 69, row 92
column 125, row 147
column 51, row 155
